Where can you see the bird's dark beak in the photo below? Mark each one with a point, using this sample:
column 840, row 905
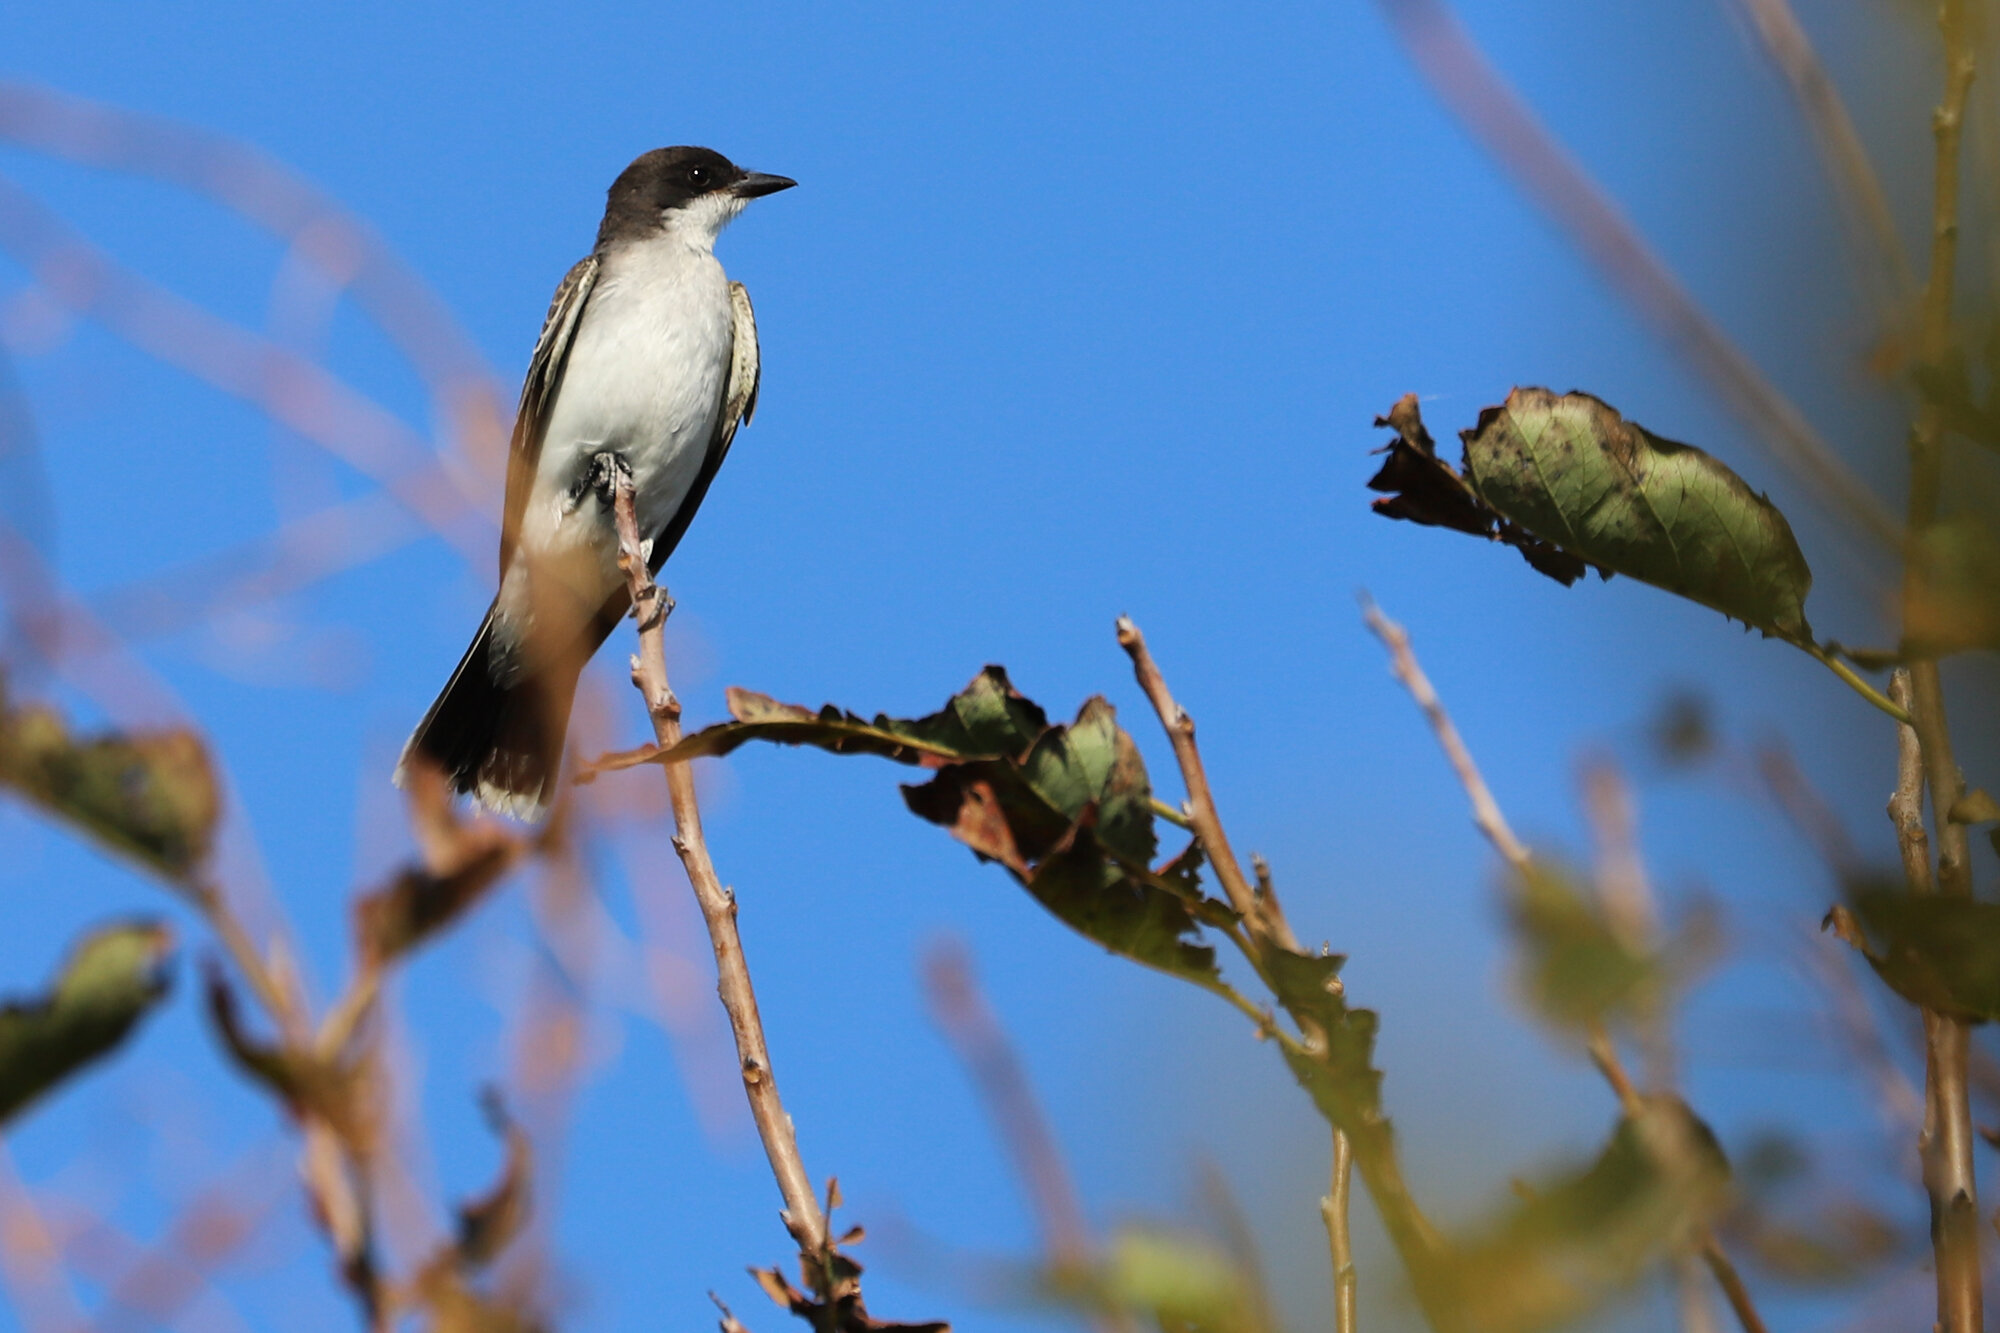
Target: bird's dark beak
column 756, row 184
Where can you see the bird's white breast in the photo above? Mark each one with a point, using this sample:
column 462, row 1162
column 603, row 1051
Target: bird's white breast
column 646, row 375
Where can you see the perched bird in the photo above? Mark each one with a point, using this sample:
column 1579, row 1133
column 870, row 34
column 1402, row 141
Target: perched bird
column 649, row 353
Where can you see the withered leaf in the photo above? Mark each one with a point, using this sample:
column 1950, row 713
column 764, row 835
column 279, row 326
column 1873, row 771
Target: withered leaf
column 1426, row 489
column 304, row 1084
column 1066, row 809
column 150, row 795
column 418, row 903
column 1573, row 472
column 1422, row 487
column 113, row 977
column 1072, row 819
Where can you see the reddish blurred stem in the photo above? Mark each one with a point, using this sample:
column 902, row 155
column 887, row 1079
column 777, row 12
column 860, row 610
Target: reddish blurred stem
column 1840, row 149
column 975, row 1033
column 802, row 1215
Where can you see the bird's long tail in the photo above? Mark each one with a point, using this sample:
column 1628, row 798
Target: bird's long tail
column 499, row 742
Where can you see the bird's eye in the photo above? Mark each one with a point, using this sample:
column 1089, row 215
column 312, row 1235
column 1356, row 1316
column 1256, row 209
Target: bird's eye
column 697, row 176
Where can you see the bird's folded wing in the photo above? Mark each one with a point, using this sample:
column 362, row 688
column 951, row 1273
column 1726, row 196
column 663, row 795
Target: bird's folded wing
column 739, row 401
column 538, row 395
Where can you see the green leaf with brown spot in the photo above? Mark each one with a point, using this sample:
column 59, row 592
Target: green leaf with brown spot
column 110, row 981
column 1573, row 472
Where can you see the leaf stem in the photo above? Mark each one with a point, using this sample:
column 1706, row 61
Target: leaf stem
column 1854, row 682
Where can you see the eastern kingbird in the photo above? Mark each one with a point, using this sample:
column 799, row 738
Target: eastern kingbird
column 648, row 352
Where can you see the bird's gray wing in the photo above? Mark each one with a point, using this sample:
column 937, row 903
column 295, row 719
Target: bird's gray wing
column 538, row 396
column 739, row 402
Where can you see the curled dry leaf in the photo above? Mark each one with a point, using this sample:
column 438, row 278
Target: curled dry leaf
column 1426, row 489
column 112, row 979
column 150, row 795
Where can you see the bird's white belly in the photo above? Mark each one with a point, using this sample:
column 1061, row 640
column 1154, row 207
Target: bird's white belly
column 645, row 379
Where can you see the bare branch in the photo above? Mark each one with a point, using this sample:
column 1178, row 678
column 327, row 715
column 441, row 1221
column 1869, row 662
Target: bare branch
column 1485, row 810
column 1339, row 1242
column 1947, row 1143
column 802, row 1215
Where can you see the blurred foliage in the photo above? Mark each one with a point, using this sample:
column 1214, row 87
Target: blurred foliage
column 1952, row 601
column 1585, row 1237
column 112, row 979
column 1578, row 967
column 150, row 795
column 1934, row 950
column 1182, row 1283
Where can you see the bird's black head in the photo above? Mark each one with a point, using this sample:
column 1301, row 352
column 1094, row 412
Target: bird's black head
column 696, row 190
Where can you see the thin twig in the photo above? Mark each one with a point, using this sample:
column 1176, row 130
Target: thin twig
column 1485, row 810
column 1947, row 1145
column 802, row 1215
column 1732, row 1286
column 1339, row 1243
column 1374, row 1153
column 1200, row 803
column 1494, row 113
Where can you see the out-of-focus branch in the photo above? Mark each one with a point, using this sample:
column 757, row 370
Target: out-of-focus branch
column 1947, row 1143
column 1859, row 189
column 315, row 225
column 969, row 1023
column 1495, row 115
column 1634, row 912
column 1485, row 810
column 302, row 396
column 802, row 1215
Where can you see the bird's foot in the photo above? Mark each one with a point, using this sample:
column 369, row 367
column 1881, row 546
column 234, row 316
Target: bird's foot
column 602, row 477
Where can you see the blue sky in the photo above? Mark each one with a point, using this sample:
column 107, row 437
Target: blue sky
column 1073, row 314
